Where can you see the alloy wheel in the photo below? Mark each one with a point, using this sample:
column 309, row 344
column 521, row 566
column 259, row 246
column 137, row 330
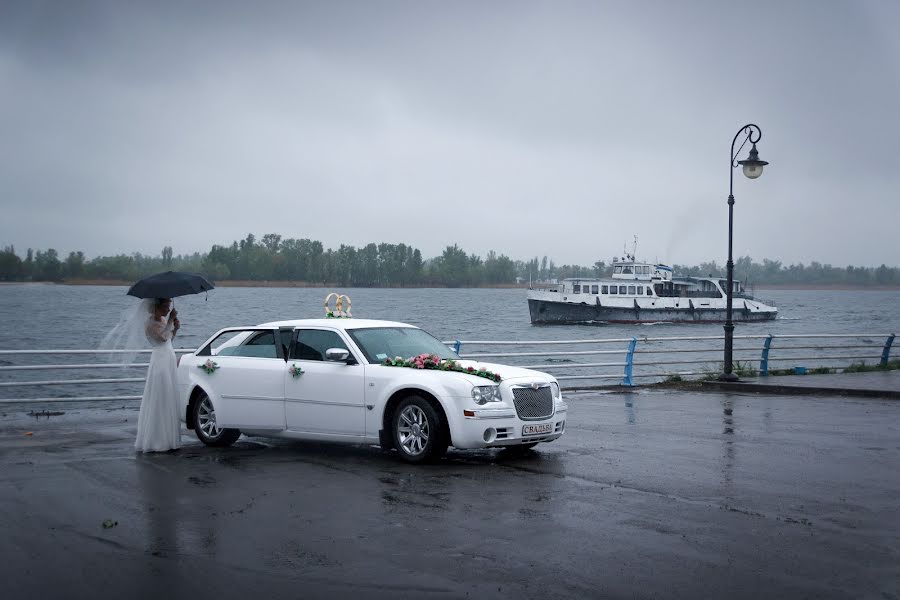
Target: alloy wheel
column 413, row 430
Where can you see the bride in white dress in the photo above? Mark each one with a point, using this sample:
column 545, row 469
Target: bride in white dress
column 158, row 427
column 153, row 321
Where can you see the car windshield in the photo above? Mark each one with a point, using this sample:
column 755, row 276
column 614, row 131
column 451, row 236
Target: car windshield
column 379, row 343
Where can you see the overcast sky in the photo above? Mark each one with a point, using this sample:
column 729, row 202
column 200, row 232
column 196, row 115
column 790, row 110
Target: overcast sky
column 530, row 128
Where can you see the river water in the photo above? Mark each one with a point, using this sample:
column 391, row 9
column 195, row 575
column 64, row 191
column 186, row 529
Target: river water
column 46, row 316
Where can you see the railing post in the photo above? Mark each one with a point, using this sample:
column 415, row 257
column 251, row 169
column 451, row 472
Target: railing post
column 886, row 353
column 456, row 346
column 629, row 363
column 764, row 361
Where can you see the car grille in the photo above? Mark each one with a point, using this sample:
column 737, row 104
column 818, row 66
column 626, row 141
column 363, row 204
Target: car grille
column 532, row 404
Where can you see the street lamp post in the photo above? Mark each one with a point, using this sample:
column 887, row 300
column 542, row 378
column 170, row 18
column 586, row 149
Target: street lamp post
column 753, row 168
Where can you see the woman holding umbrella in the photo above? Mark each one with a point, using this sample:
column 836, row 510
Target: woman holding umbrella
column 158, row 429
column 155, row 321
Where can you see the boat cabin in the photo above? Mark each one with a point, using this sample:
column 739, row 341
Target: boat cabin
column 641, row 271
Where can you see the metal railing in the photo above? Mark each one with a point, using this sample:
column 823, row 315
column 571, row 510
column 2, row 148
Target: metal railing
column 652, row 357
column 620, row 360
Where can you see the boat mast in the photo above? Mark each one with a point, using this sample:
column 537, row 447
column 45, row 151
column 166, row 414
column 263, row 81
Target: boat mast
column 633, row 250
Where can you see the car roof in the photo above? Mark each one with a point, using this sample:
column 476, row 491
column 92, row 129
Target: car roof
column 337, row 323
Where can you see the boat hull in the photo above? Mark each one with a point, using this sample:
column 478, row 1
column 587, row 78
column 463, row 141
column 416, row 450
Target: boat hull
column 548, row 312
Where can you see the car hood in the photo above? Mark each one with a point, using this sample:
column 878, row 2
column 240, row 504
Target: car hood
column 506, row 372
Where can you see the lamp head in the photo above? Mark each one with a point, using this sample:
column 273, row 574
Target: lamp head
column 753, row 167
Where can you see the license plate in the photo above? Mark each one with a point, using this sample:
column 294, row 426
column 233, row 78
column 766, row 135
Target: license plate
column 537, row 429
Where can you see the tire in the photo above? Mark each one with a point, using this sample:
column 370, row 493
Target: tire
column 204, row 415
column 418, row 431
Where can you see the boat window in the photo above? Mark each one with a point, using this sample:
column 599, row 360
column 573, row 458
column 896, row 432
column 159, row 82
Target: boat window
column 618, row 269
column 626, row 270
column 622, row 289
column 649, row 291
column 640, row 290
column 576, row 289
column 595, row 289
column 605, row 289
column 646, row 269
column 613, row 289
column 631, row 290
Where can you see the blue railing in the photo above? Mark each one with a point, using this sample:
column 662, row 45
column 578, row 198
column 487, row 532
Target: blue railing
column 653, row 358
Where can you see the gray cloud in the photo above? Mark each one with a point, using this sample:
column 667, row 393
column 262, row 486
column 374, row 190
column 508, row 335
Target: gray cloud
column 531, row 128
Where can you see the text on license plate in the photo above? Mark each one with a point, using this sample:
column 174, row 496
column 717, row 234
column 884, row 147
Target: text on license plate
column 537, row 429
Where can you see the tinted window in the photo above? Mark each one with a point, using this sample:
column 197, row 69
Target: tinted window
column 312, row 344
column 595, row 289
column 631, row 289
column 605, row 289
column 258, row 345
column 576, row 289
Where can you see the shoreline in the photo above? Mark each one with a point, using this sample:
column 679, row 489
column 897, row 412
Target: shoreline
column 243, row 283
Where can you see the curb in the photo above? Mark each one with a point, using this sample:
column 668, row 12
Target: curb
column 789, row 390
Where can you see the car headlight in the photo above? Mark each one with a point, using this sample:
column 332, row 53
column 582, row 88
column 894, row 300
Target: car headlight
column 482, row 394
column 554, row 389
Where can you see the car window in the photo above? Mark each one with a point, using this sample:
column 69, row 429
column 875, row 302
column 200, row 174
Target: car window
column 259, row 345
column 312, row 344
column 379, row 343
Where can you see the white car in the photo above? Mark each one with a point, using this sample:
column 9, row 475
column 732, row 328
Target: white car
column 335, row 379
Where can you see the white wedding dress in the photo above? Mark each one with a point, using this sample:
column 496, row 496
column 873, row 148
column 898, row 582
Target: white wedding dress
column 158, row 426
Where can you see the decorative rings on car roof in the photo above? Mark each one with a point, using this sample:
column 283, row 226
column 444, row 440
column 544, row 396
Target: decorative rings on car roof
column 338, row 311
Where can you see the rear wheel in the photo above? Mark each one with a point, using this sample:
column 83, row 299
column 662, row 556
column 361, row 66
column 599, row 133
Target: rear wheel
column 205, row 425
column 418, row 431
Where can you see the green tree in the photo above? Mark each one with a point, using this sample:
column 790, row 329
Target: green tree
column 10, row 265
column 272, row 242
column 28, row 265
column 75, row 264
column 47, row 266
column 451, row 268
column 368, row 273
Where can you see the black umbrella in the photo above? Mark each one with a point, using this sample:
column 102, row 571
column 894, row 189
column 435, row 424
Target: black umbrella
column 169, row 285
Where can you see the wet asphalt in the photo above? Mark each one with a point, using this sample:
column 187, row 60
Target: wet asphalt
column 650, row 494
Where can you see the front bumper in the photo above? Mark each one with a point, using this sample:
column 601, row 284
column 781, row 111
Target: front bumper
column 501, row 426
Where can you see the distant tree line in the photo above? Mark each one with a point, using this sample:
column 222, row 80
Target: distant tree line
column 773, row 272
column 272, row 258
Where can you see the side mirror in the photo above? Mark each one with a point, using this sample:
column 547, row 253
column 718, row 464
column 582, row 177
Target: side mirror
column 337, row 354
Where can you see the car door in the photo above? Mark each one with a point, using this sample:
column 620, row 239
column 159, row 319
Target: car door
column 321, row 396
column 249, row 383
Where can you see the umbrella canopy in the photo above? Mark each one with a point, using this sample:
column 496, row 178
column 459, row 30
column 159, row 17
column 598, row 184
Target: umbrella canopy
column 169, row 285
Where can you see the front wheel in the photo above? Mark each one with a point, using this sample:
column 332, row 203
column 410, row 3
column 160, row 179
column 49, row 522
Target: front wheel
column 205, row 425
column 418, row 431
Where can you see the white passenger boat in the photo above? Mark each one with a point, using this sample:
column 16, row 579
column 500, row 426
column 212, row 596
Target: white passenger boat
column 639, row 292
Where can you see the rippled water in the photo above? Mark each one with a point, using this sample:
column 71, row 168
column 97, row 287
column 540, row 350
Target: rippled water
column 63, row 317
